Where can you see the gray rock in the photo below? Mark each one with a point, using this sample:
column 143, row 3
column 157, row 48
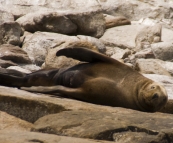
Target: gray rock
column 137, row 9
column 10, row 33
column 120, row 53
column 6, row 17
column 163, row 50
column 17, row 68
column 21, row 8
column 121, row 36
column 147, row 36
column 150, row 66
column 145, row 54
column 112, row 21
column 14, row 54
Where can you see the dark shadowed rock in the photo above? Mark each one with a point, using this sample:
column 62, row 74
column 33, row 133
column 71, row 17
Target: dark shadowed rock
column 6, row 63
column 10, row 33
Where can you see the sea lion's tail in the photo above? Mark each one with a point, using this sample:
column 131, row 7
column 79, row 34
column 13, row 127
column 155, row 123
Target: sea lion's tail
column 11, row 78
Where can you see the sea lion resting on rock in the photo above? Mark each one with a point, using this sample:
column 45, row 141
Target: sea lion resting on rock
column 102, row 80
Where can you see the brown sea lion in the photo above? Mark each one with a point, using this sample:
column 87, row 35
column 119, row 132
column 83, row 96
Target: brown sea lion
column 102, row 80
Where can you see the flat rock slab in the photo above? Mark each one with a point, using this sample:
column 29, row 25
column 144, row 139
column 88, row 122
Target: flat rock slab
column 32, row 137
column 107, row 126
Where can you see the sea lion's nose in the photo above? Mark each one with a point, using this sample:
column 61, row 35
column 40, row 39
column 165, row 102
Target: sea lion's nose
column 155, row 96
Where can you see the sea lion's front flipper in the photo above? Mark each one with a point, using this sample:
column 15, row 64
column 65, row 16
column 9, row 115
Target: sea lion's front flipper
column 58, row 89
column 84, row 54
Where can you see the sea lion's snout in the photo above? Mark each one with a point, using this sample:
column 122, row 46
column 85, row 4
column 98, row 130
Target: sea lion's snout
column 154, row 97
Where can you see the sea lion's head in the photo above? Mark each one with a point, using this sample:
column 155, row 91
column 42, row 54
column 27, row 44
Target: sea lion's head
column 152, row 97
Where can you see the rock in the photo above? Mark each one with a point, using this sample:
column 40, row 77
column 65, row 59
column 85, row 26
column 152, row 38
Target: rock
column 106, row 125
column 163, row 50
column 150, row 66
column 6, row 17
column 147, row 36
column 167, row 35
column 121, row 54
column 137, row 9
column 48, row 22
column 10, row 33
column 21, row 8
column 32, row 137
column 88, row 23
column 30, row 67
column 112, row 21
column 145, row 54
column 94, row 41
column 14, row 54
column 17, row 68
column 26, row 36
column 6, row 63
column 121, row 36
column 9, row 122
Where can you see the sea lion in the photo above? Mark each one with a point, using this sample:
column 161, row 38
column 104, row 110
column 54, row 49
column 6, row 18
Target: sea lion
column 102, row 80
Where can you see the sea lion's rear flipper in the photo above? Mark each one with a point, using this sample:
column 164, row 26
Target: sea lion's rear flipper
column 84, row 54
column 58, row 89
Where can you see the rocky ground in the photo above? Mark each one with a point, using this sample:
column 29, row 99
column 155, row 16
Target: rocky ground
column 136, row 32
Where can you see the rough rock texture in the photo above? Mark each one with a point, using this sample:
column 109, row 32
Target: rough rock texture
column 9, row 122
column 10, row 33
column 5, row 17
column 121, row 36
column 150, row 66
column 47, row 21
column 163, row 50
column 32, row 137
column 105, row 125
column 14, row 54
column 147, row 36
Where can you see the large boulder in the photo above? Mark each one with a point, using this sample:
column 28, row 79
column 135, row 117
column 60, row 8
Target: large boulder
column 121, row 36
column 90, row 23
column 139, row 126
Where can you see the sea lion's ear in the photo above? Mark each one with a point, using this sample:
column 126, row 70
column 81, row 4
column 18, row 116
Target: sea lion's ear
column 84, row 54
